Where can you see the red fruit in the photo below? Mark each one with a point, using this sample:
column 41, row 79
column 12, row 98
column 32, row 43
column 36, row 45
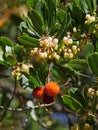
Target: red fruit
column 47, row 99
column 52, row 89
column 38, row 92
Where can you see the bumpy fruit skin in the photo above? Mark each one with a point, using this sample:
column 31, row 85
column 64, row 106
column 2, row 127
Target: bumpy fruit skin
column 52, row 89
column 47, row 99
column 38, row 92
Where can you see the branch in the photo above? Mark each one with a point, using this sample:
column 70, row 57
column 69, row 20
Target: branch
column 25, row 109
column 4, row 113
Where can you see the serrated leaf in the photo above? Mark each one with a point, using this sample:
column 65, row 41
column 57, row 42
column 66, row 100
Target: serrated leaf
column 65, row 20
column 11, row 59
column 93, row 63
column 89, row 49
column 77, row 9
column 91, row 5
column 72, row 103
column 42, row 71
column 78, row 64
column 26, row 40
column 34, row 77
column 75, row 93
column 52, row 7
column 6, row 41
column 37, row 21
column 84, row 5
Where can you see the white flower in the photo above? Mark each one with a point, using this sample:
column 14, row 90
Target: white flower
column 43, row 55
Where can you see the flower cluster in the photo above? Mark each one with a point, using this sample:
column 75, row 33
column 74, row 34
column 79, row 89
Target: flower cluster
column 68, row 49
column 47, row 49
column 21, row 68
column 89, row 19
column 86, row 126
column 92, row 92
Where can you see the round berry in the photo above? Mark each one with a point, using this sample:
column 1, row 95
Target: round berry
column 47, row 99
column 38, row 92
column 52, row 89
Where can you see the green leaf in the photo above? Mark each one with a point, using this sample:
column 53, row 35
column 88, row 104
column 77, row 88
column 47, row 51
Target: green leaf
column 33, row 81
column 89, row 49
column 75, row 93
column 46, row 14
column 97, row 47
column 11, row 60
column 37, row 21
column 54, row 28
column 93, row 63
column 34, row 77
column 78, row 64
column 52, row 7
column 32, row 3
column 42, row 71
column 72, row 103
column 6, row 41
column 61, row 16
column 91, row 5
column 84, row 5
column 94, row 104
column 65, row 20
column 27, row 40
column 78, row 13
column 2, row 63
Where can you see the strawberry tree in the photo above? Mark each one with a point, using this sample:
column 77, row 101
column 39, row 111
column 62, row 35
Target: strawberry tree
column 53, row 63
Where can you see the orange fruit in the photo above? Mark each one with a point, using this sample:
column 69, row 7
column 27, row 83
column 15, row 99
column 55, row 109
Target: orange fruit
column 52, row 89
column 38, row 92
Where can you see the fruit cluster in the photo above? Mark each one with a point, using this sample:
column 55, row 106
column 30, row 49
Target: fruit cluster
column 46, row 93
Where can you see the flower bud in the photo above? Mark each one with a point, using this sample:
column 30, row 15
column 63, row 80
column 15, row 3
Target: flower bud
column 43, row 55
column 71, row 55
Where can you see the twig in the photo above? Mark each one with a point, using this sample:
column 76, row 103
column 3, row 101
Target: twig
column 49, row 74
column 25, row 109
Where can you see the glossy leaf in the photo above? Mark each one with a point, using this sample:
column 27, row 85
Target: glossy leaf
column 75, row 93
column 78, row 64
column 34, row 77
column 11, row 60
column 89, row 49
column 37, row 21
column 27, row 40
column 30, row 3
column 72, row 103
column 65, row 21
column 91, row 5
column 84, row 5
column 6, row 41
column 93, row 63
column 42, row 71
column 95, row 102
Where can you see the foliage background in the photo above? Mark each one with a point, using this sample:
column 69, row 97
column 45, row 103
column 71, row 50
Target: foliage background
column 77, row 102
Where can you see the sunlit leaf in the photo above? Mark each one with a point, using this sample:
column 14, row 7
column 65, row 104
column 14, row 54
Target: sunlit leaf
column 72, row 103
